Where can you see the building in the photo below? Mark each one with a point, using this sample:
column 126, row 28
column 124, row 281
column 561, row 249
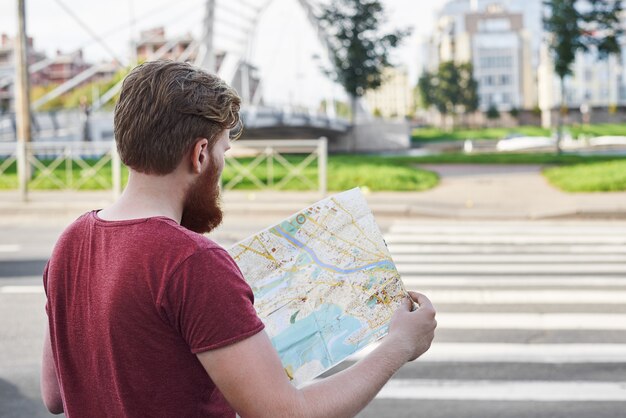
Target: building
column 495, row 38
column 45, row 71
column 394, row 98
column 63, row 67
column 7, row 68
column 505, row 41
column 594, row 83
column 154, row 43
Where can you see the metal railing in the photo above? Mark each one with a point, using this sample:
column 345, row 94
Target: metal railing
column 71, row 165
column 63, row 165
column 272, row 154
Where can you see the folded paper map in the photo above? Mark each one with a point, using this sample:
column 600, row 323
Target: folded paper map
column 324, row 283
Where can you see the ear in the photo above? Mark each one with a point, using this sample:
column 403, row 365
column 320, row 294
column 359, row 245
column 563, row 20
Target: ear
column 199, row 155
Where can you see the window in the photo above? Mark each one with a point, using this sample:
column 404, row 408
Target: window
column 496, row 61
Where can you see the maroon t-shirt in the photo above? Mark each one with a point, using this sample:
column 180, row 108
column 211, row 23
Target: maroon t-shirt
column 130, row 303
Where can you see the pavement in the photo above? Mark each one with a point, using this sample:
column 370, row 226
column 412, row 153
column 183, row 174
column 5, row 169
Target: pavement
column 465, row 192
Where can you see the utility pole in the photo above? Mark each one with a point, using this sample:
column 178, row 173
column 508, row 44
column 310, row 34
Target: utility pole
column 206, row 54
column 22, row 100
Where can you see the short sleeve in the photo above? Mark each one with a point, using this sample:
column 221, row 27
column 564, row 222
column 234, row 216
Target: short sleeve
column 209, row 303
column 45, row 286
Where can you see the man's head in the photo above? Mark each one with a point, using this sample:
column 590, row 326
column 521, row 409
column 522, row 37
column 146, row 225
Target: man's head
column 165, row 109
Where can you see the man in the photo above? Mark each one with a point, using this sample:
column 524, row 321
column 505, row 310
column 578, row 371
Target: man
column 147, row 317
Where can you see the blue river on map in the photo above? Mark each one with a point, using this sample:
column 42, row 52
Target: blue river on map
column 297, row 243
column 309, row 338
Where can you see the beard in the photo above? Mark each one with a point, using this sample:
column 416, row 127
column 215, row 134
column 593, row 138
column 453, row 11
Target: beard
column 201, row 211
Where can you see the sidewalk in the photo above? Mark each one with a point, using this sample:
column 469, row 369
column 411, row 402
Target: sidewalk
column 495, row 192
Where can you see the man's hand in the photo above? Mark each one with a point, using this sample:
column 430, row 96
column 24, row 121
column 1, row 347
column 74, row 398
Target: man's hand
column 251, row 377
column 413, row 331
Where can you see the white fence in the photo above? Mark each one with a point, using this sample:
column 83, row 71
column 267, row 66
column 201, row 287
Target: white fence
column 271, row 152
column 71, row 165
column 62, row 165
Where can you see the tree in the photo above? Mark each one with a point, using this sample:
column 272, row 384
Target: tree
column 580, row 26
column 451, row 90
column 493, row 113
column 358, row 50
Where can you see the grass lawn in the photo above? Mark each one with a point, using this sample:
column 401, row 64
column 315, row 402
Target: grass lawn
column 607, row 129
column 61, row 177
column 604, row 176
column 571, row 173
column 348, row 171
column 507, row 158
column 568, row 172
column 436, row 134
column 344, row 172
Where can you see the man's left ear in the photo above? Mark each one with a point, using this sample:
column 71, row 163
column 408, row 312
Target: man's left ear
column 200, row 154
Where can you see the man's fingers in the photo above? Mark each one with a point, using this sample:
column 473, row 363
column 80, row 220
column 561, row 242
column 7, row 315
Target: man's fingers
column 407, row 304
column 421, row 299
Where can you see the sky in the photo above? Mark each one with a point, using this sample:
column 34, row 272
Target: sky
column 283, row 46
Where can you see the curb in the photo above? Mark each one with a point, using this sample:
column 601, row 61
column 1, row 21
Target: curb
column 41, row 212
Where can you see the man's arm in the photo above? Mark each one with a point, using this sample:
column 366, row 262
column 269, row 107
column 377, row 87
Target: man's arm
column 251, row 377
column 50, row 390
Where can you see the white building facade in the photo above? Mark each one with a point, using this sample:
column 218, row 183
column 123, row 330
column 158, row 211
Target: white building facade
column 496, row 39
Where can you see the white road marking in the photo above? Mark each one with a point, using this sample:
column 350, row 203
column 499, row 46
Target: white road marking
column 504, row 239
column 517, row 353
column 528, row 229
column 513, row 268
column 21, row 289
column 503, row 390
column 508, row 258
column 522, row 297
column 531, row 321
column 502, row 248
column 424, row 281
column 10, row 248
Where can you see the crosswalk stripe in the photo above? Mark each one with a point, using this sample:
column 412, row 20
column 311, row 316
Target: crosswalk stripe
column 506, row 239
column 21, row 289
column 532, row 321
column 508, row 258
column 512, row 268
column 569, row 296
column 521, row 266
column 444, row 248
column 507, row 229
column 461, row 281
column 486, row 224
column 10, row 248
column 503, row 390
column 517, row 353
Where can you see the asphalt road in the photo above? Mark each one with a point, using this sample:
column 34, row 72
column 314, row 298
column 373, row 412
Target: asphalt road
column 532, row 317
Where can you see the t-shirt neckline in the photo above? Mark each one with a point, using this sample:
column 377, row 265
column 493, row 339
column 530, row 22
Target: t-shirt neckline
column 121, row 222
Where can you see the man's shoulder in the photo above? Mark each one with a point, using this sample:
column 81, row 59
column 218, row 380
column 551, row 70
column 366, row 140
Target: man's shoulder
column 158, row 233
column 185, row 238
